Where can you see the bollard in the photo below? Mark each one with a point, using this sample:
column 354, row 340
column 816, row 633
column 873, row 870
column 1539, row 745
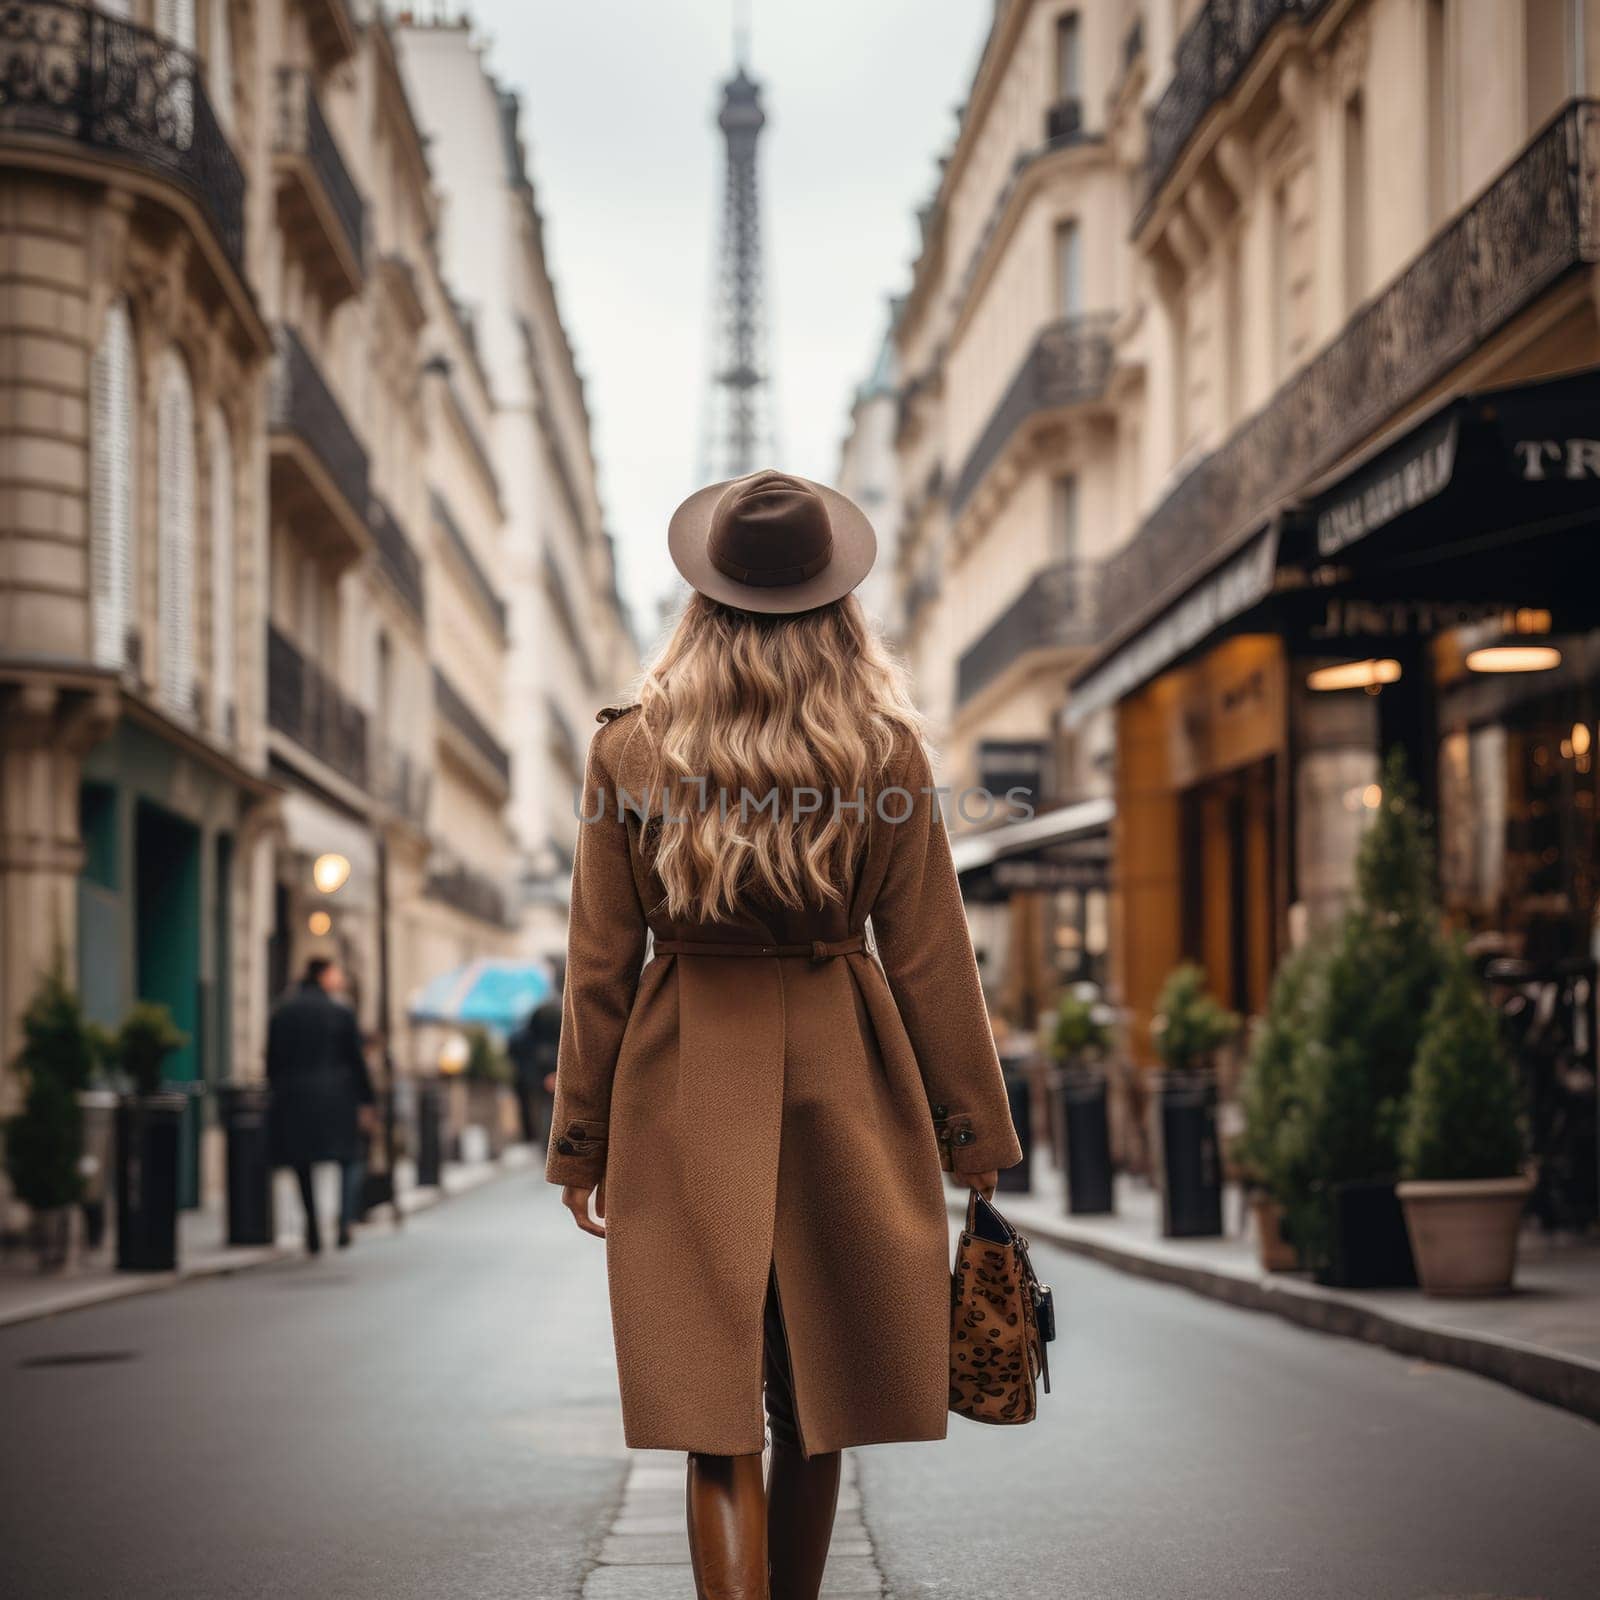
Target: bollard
column 430, row 1153
column 243, row 1110
column 147, row 1181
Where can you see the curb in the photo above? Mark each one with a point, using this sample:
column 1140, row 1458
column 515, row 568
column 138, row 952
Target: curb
column 1566, row 1381
column 124, row 1286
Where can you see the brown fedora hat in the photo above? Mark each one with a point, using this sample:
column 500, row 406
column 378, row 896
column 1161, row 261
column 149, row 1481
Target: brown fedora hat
column 771, row 542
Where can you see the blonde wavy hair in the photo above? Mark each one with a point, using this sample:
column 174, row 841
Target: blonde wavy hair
column 741, row 702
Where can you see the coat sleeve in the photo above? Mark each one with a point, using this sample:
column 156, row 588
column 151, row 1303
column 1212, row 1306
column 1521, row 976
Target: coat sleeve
column 920, row 928
column 605, row 954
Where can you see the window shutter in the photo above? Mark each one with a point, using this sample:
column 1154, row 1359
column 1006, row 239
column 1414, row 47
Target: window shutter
column 111, row 490
column 223, row 643
column 175, row 522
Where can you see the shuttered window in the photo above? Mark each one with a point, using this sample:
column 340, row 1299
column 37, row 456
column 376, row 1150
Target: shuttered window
column 223, row 642
column 111, row 539
column 175, row 535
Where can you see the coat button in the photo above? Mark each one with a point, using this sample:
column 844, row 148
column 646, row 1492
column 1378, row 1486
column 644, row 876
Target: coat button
column 564, row 1147
column 940, row 1113
column 966, row 1136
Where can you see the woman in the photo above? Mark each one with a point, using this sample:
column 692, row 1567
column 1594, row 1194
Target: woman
column 760, row 1113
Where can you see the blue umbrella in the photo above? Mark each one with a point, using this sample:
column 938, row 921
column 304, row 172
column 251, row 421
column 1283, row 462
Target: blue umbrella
column 493, row 992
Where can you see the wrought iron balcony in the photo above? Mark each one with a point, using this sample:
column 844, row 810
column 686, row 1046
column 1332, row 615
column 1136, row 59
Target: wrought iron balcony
column 319, row 466
column 1068, row 365
column 304, row 704
column 317, row 196
column 397, row 556
column 1063, row 122
column 1054, row 612
column 475, row 893
column 1536, row 222
column 478, row 580
column 458, row 716
column 1211, row 57
column 73, row 74
column 399, row 781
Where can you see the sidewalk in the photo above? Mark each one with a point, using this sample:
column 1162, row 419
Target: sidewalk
column 1544, row 1338
column 203, row 1252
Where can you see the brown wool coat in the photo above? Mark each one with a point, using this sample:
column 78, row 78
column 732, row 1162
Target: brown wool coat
column 775, row 1110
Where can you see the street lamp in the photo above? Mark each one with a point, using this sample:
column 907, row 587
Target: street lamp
column 330, row 872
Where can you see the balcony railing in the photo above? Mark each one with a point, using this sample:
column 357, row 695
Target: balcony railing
column 304, row 704
column 400, row 781
column 481, row 583
column 472, row 892
column 1535, row 222
column 1054, row 612
column 397, row 556
column 302, row 404
column 71, row 72
column 1211, row 57
column 464, row 720
column 1063, row 121
column 1068, row 365
column 302, row 130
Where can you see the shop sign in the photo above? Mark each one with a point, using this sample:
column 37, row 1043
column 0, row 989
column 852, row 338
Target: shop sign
column 1023, row 875
column 1539, row 460
column 1346, row 618
column 1395, row 484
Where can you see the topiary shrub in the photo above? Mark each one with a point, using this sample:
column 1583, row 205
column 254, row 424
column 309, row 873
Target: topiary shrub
column 1464, row 1119
column 1081, row 1032
column 486, row 1061
column 1189, row 1025
column 1384, row 962
column 143, row 1043
column 44, row 1141
column 1270, row 1087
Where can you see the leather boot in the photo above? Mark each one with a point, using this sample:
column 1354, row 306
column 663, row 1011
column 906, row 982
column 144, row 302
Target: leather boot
column 801, row 1498
column 727, row 1508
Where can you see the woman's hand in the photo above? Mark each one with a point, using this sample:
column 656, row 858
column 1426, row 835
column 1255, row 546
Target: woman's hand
column 983, row 1182
column 576, row 1199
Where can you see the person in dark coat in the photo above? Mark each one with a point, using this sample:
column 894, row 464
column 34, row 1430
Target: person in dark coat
column 322, row 1099
column 534, row 1050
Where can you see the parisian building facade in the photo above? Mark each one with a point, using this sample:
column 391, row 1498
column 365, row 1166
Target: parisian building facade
column 270, row 627
column 1244, row 342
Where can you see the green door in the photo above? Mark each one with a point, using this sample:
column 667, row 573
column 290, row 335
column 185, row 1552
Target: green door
column 167, row 949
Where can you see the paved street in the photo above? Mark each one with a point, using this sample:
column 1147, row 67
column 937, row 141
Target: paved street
column 433, row 1415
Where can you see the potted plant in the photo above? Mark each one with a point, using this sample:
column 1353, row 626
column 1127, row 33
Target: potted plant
column 149, row 1120
column 1267, row 1101
column 44, row 1141
column 1341, row 1139
column 1189, row 1028
column 1080, row 1040
column 1462, row 1148
column 488, row 1071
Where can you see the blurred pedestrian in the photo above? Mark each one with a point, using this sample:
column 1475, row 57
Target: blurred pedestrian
column 755, row 1121
column 534, row 1049
column 323, row 1107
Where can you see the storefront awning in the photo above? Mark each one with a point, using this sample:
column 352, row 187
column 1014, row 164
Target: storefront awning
column 1017, row 841
column 1227, row 590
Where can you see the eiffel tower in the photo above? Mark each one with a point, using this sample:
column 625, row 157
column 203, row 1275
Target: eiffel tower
column 739, row 431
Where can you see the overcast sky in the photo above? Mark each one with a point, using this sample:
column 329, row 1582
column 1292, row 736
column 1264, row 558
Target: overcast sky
column 619, row 100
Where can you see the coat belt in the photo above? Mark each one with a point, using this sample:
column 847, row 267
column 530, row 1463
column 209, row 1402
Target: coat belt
column 817, row 949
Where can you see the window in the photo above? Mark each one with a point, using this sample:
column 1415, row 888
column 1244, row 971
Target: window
column 219, row 61
column 1281, row 269
column 223, row 644
column 175, row 21
column 1355, row 202
column 111, row 548
column 175, row 534
column 1064, row 518
column 1069, row 270
column 1440, row 48
column 1069, row 69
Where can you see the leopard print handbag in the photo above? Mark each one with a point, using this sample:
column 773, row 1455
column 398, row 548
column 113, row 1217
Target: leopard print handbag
column 1001, row 1319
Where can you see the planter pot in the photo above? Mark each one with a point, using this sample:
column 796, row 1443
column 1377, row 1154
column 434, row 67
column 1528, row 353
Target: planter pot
column 430, row 1132
column 1085, row 1142
column 483, row 1111
column 148, row 1128
column 1274, row 1252
column 1370, row 1246
column 1190, row 1155
column 50, row 1233
column 1464, row 1233
column 243, row 1109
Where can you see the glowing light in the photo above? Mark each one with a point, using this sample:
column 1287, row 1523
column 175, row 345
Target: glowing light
column 454, row 1054
column 1514, row 658
column 319, row 922
column 1372, row 796
column 1369, row 674
column 330, row 872
column 1580, row 738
